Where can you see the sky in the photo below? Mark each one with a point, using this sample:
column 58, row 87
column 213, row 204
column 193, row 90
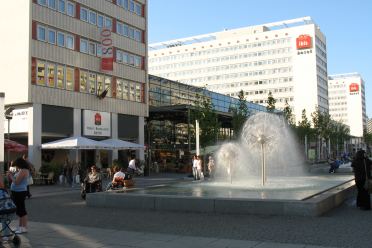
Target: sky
column 345, row 23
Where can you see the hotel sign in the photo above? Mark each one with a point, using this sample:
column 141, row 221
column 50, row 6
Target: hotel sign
column 354, row 89
column 97, row 123
column 107, row 60
column 304, row 42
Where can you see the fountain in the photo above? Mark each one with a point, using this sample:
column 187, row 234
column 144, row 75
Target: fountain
column 261, row 173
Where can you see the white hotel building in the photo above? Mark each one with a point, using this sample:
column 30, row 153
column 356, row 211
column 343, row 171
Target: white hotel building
column 288, row 58
column 347, row 101
column 58, row 57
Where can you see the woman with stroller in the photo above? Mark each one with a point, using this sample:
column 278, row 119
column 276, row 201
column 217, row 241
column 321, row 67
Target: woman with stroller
column 19, row 192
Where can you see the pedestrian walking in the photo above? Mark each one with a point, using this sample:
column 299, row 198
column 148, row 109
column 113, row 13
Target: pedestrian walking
column 362, row 171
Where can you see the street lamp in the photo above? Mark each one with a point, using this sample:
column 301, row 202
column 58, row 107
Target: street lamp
column 9, row 116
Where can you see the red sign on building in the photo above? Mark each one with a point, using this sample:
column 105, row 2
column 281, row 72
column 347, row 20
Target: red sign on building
column 97, row 119
column 107, row 60
column 354, row 88
column 304, row 42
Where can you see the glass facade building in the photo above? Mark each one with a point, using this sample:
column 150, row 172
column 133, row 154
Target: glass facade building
column 170, row 132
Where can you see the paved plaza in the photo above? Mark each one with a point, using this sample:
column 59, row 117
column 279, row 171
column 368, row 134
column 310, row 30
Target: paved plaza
column 59, row 218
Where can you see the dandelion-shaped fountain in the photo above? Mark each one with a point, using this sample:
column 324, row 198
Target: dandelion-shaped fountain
column 262, row 172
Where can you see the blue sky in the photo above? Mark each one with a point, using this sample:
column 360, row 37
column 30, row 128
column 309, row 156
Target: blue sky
column 346, row 24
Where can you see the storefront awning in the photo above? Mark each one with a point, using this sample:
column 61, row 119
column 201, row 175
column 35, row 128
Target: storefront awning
column 12, row 146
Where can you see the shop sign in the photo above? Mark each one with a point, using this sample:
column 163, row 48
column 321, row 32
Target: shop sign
column 97, row 123
column 303, row 42
column 19, row 121
column 107, row 60
column 354, row 89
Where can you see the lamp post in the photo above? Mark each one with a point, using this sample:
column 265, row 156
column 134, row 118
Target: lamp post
column 9, row 116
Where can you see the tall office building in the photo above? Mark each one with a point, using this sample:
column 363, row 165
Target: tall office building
column 74, row 67
column 287, row 58
column 347, row 101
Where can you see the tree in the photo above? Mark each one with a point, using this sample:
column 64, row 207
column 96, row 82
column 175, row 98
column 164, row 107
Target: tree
column 270, row 103
column 288, row 114
column 322, row 126
column 240, row 114
column 208, row 121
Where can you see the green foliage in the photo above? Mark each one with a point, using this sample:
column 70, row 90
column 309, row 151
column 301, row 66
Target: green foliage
column 57, row 168
column 322, row 123
column 367, row 137
column 270, row 103
column 304, row 126
column 240, row 114
column 288, row 114
column 208, row 121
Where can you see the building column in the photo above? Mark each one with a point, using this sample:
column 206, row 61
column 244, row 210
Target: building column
column 76, row 154
column 141, row 137
column 34, row 134
column 114, row 135
column 2, row 95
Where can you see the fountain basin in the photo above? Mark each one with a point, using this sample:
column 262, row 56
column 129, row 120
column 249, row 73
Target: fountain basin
column 316, row 196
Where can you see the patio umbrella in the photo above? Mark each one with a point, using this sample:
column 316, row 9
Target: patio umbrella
column 12, row 146
column 76, row 142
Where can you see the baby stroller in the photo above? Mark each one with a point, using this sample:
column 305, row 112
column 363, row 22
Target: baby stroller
column 7, row 212
column 90, row 188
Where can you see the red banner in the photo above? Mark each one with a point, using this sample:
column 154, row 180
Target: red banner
column 107, row 61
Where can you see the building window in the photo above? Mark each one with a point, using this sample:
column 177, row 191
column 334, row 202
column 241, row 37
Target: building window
column 84, row 14
column 61, row 6
column 52, row 36
column 132, row 92
column 52, row 4
column 92, row 17
column 40, row 73
column 42, row 2
column 108, row 86
column 83, row 81
column 125, row 90
column 131, row 6
column 51, row 75
column 138, row 9
column 60, row 77
column 83, row 46
column 92, row 48
column 61, row 39
column 100, row 20
column 69, row 78
column 100, row 81
column 138, row 92
column 119, row 89
column 92, row 83
column 41, row 33
column 108, row 23
column 70, row 41
column 70, row 9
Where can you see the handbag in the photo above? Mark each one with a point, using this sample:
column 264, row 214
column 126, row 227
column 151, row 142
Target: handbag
column 30, row 180
column 368, row 182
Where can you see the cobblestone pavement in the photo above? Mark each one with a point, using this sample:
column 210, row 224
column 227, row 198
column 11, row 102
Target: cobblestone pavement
column 59, row 218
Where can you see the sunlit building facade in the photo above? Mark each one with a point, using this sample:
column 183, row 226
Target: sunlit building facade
column 287, row 58
column 347, row 101
column 74, row 68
